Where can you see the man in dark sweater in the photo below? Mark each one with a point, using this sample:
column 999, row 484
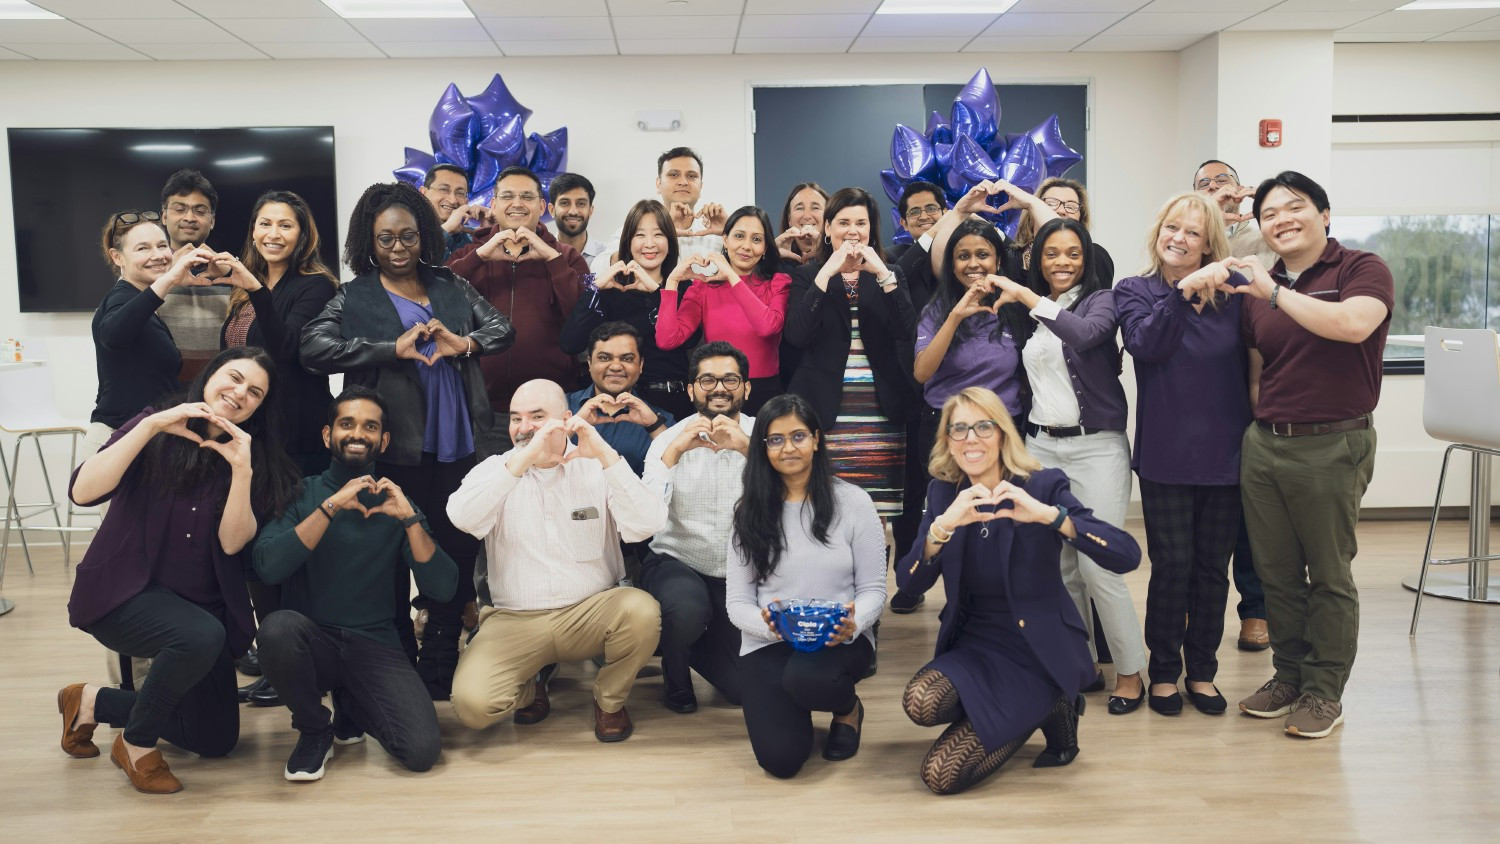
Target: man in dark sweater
column 334, row 553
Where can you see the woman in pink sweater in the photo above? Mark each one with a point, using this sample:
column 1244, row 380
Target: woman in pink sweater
column 741, row 299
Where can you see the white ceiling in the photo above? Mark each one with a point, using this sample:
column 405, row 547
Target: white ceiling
column 306, row 29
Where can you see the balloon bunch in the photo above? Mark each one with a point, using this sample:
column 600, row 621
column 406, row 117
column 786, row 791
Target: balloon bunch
column 485, row 134
column 967, row 148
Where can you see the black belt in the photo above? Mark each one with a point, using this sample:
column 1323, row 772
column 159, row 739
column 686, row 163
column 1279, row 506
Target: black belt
column 667, row 386
column 1058, row 431
column 1310, row 429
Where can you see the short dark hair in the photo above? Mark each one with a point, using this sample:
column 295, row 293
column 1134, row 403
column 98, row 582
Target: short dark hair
column 718, row 349
column 849, row 198
column 187, row 181
column 565, row 182
column 522, row 171
column 609, row 331
column 443, row 168
column 919, row 186
column 678, row 152
column 356, row 392
column 1232, row 171
column 1296, row 183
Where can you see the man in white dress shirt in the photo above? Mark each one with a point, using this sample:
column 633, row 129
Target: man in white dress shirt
column 696, row 467
column 571, row 204
column 552, row 515
column 679, row 186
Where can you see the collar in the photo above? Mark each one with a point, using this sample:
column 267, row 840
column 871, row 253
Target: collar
column 1070, row 296
column 338, row 474
column 1333, row 252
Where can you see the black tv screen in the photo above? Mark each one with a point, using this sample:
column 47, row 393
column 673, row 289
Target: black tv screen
column 66, row 184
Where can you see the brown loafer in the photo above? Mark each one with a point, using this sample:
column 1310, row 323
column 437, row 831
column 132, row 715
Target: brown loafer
column 150, row 775
column 1253, row 635
column 612, row 726
column 76, row 742
column 540, row 707
column 471, row 616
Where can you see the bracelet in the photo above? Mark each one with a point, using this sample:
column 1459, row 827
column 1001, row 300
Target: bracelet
column 1062, row 516
column 414, row 518
column 1274, row 292
column 888, row 279
column 934, row 536
column 326, row 510
column 660, row 421
column 468, row 347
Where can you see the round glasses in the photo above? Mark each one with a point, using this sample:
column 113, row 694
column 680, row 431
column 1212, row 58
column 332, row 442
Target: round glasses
column 796, row 438
column 708, row 382
column 984, row 429
column 408, row 239
column 1056, row 204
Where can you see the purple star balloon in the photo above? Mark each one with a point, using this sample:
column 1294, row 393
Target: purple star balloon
column 893, row 185
column 450, row 125
column 938, row 130
column 495, row 105
column 549, row 151
column 976, row 109
column 1023, row 166
column 972, row 162
column 414, row 171
column 1057, row 156
column 911, row 154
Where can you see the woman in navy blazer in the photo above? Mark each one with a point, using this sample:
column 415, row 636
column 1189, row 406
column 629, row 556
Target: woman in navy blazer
column 1012, row 650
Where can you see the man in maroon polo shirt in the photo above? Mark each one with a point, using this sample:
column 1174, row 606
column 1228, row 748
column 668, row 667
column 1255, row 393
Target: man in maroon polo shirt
column 1316, row 325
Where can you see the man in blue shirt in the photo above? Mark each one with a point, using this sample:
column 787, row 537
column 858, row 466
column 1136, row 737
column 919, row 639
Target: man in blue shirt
column 625, row 421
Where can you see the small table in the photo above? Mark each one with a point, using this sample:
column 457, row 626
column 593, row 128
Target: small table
column 6, row 605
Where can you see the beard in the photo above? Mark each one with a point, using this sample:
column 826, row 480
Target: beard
column 703, row 406
column 571, row 229
column 357, row 463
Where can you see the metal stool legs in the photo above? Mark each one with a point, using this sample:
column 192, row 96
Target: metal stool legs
column 1479, row 559
column 15, row 511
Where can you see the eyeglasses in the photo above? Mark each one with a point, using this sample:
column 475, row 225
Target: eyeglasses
column 1218, row 181
column 445, row 190
column 408, row 239
column 926, row 210
column 184, row 208
column 511, row 197
column 708, row 382
column 984, row 429
column 797, row 438
column 1056, row 204
column 129, row 218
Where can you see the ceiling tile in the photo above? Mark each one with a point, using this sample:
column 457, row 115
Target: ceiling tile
column 793, row 45
column 1190, row 23
column 438, row 49
column 673, row 46
column 1345, row 37
column 321, row 50
column 529, row 8
column 1245, row 7
column 901, row 26
column 105, row 52
column 683, row 8
column 1430, row 20
column 916, row 44
column 1032, row 44
column 1028, row 7
column 667, row 28
column 140, row 9
column 801, row 26
column 1064, row 24
column 198, row 51
column 47, row 32
column 559, row 48
column 408, row 29
column 1276, row 19
column 1340, row 5
column 293, row 30
column 161, row 31
column 1486, row 25
column 225, row 9
column 556, row 29
column 1138, row 43
column 10, row 55
column 825, row 7
column 1466, row 35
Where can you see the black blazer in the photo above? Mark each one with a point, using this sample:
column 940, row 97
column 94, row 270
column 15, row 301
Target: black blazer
column 817, row 323
column 1029, row 556
column 356, row 335
column 280, row 315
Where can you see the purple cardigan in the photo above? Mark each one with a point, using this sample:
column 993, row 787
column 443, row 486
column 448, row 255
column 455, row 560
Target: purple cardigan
column 1088, row 336
column 132, row 543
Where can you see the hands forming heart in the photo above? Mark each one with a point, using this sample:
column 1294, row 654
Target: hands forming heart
column 1230, row 197
column 712, row 215
column 1216, row 277
column 627, row 276
column 605, row 409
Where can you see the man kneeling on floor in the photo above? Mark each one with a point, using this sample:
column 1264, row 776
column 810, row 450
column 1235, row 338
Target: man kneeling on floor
column 552, row 516
column 334, row 551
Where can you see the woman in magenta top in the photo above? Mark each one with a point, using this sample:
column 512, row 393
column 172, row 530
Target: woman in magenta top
column 741, row 300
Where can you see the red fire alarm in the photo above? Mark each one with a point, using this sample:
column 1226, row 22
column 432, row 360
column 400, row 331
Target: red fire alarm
column 1270, row 133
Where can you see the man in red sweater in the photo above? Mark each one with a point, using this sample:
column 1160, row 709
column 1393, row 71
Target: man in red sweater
column 532, row 278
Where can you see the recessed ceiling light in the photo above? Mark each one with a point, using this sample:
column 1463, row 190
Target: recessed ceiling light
column 1427, row 5
column 945, row 7
column 20, row 10
column 241, row 162
column 399, row 8
column 164, row 148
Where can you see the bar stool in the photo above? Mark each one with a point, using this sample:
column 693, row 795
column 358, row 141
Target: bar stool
column 28, row 409
column 1460, row 405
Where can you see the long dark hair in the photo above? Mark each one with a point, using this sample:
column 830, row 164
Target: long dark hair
column 758, row 531
column 359, row 241
column 1088, row 284
column 175, row 465
column 786, row 207
column 305, row 258
column 633, row 219
column 950, row 289
column 847, row 198
column 770, row 261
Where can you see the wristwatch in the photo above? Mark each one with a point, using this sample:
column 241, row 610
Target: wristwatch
column 414, row 518
column 657, row 424
column 1062, row 516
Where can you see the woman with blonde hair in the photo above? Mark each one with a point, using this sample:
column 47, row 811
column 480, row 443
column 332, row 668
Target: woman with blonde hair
column 1012, row 650
column 1192, row 406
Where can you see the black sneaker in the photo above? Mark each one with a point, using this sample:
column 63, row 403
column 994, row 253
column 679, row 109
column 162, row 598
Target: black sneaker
column 309, row 757
column 903, row 603
column 345, row 731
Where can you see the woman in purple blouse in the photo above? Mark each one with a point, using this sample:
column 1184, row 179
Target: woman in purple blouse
column 163, row 579
column 1192, row 406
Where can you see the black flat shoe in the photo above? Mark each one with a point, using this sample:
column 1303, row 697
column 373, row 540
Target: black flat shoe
column 1165, row 704
column 843, row 740
column 683, row 703
column 1096, row 686
column 903, row 603
column 1213, row 704
column 1058, row 757
column 259, row 693
column 1125, row 705
column 249, row 664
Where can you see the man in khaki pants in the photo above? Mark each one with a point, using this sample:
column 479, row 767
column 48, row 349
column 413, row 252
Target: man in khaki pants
column 552, row 516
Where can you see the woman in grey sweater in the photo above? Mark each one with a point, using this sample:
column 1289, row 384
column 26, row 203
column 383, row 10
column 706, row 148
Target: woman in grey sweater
column 801, row 532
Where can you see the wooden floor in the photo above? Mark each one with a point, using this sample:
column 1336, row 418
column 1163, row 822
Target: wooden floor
column 1418, row 758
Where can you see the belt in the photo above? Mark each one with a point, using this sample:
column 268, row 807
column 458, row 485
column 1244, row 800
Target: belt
column 1059, row 431
column 667, row 386
column 1310, row 429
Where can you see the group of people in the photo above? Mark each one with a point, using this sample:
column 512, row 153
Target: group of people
column 613, row 450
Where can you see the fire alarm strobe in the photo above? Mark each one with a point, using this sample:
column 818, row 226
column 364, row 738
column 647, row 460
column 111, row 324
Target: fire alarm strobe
column 1270, row 133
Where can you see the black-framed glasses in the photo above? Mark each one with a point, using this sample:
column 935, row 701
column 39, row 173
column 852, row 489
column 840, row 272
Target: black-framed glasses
column 984, row 429
column 408, row 239
column 914, row 212
column 1218, row 181
column 130, row 218
column 796, row 438
column 1056, row 204
column 708, row 382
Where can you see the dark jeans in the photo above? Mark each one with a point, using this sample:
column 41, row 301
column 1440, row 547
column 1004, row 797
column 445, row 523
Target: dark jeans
column 373, row 684
column 919, row 436
column 782, row 689
column 696, row 633
column 188, row 696
column 1246, row 582
column 428, row 486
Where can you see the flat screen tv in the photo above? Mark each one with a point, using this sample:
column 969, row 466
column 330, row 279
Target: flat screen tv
column 66, row 184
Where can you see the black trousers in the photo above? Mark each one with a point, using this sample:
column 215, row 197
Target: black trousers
column 920, row 434
column 1246, row 582
column 428, row 486
column 1190, row 533
column 188, row 696
column 373, row 684
column 783, row 687
column 696, row 633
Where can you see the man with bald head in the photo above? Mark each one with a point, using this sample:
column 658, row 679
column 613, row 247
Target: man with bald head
column 552, row 516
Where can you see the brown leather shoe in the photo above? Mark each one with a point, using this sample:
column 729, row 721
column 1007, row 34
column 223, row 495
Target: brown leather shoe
column 539, row 709
column 612, row 726
column 1253, row 635
column 150, row 775
column 471, row 616
column 76, row 742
